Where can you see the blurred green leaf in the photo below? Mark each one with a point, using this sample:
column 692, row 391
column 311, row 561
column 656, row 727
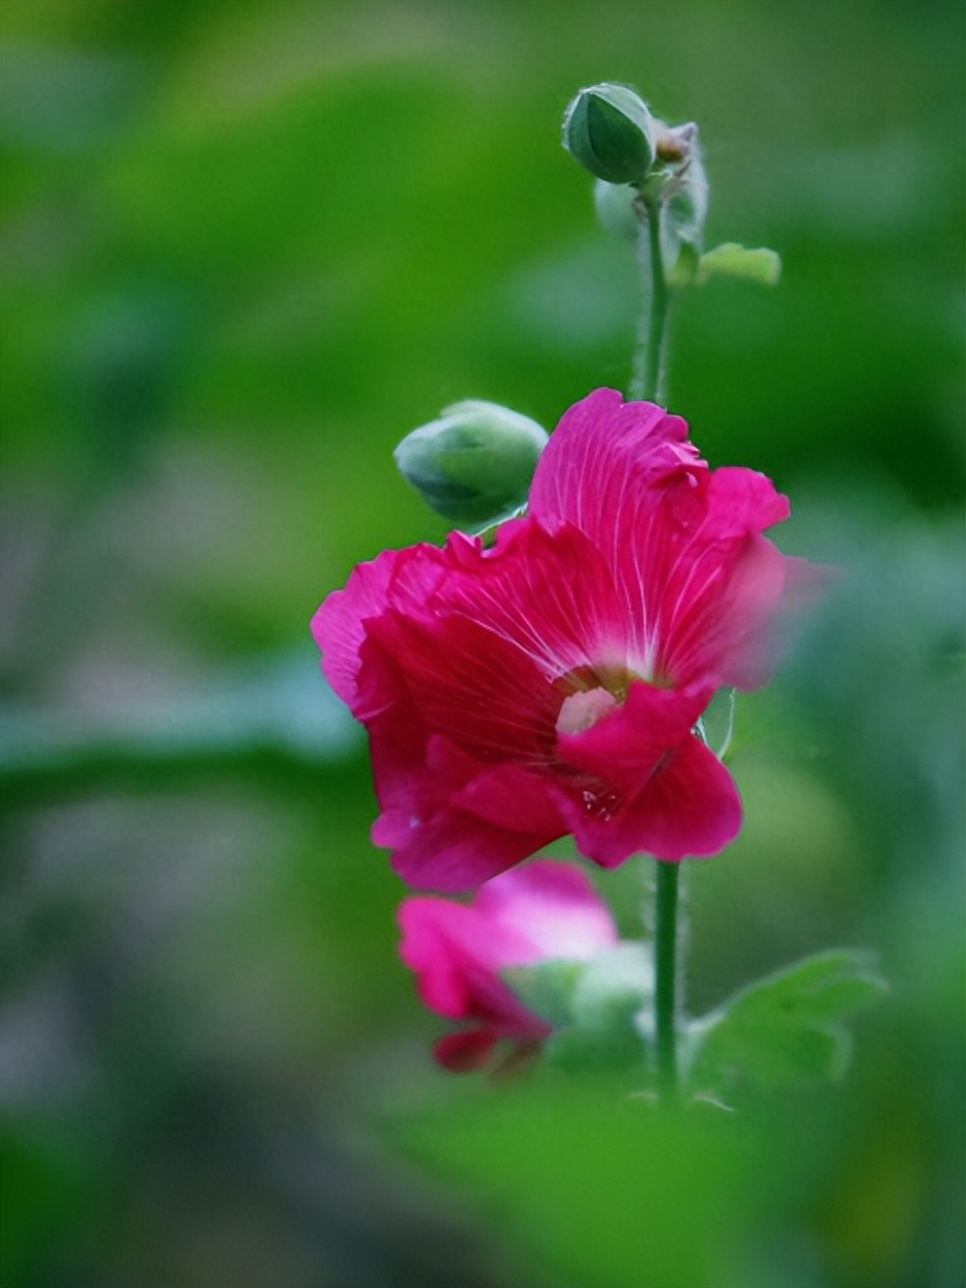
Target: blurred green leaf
column 785, row 1030
column 279, row 712
column 731, row 260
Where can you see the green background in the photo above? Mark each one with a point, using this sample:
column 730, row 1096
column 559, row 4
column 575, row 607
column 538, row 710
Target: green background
column 247, row 246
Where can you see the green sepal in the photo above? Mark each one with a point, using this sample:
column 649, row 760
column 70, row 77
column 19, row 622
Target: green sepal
column 785, row 1030
column 547, row 988
column 594, row 1006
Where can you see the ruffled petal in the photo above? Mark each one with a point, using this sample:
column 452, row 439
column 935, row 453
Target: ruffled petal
column 453, row 850
column 339, row 625
column 451, row 821
column 548, row 593
column 456, row 954
column 723, row 625
column 599, row 458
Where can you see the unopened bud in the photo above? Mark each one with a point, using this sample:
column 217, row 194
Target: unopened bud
column 474, row 464
column 609, row 130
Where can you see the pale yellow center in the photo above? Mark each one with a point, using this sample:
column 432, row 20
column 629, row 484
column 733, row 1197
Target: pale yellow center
column 582, row 710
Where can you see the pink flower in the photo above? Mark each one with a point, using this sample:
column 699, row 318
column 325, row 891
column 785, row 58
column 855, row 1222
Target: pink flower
column 543, row 911
column 552, row 683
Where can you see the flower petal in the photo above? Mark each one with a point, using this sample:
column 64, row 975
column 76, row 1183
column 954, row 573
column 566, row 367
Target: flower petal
column 465, row 1052
column 626, row 746
column 611, row 468
column 652, row 785
column 470, row 685
column 688, row 807
column 339, row 625
column 554, row 905
column 600, row 457
column 456, row 952
column 550, row 594
column 716, row 585
column 452, row 821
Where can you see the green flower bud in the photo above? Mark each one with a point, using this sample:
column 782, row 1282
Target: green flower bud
column 609, row 130
column 474, row 464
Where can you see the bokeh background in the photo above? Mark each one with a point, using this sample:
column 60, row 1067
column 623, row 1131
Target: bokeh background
column 247, row 245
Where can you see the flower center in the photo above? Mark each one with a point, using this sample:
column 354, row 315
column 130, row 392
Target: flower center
column 582, row 710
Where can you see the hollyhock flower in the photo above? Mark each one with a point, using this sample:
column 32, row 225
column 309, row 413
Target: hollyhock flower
column 540, row 912
column 551, row 684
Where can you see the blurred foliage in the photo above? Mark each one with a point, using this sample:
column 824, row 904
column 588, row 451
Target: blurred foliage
column 248, row 245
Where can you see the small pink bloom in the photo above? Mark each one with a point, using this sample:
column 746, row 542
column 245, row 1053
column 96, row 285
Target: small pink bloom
column 540, row 912
column 551, row 683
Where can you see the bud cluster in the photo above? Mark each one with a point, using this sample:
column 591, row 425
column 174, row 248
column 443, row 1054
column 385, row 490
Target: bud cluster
column 640, row 162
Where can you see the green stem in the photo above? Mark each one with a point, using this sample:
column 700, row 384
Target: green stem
column 665, row 978
column 648, row 378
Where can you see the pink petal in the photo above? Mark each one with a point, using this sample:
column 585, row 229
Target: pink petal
column 652, row 786
column 554, row 905
column 457, row 952
column 453, row 850
column 613, row 469
column 451, row 821
column 625, row 747
column 599, row 456
column 339, row 624
column 469, row 685
column 716, row 585
column 722, row 624
column 549, row 594
column 689, row 806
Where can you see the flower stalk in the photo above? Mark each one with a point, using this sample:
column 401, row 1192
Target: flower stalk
column 647, row 381
column 665, row 979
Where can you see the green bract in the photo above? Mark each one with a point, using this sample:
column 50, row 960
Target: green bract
column 614, row 204
column 609, row 130
column 474, row 464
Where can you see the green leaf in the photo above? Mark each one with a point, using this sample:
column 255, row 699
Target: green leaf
column 731, row 260
column 785, row 1030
